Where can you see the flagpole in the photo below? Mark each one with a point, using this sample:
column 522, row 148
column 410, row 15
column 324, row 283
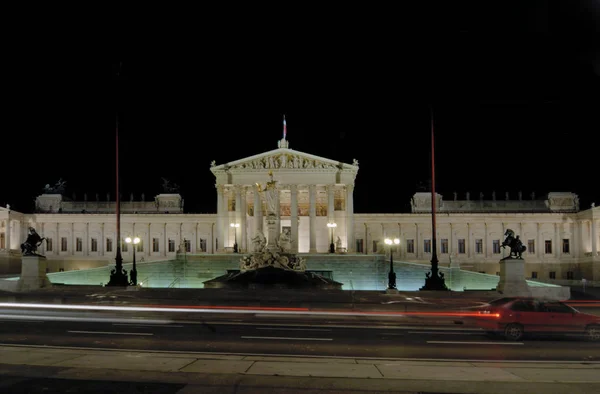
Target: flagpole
column 434, row 280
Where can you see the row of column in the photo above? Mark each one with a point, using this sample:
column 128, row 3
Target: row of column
column 241, row 209
column 575, row 248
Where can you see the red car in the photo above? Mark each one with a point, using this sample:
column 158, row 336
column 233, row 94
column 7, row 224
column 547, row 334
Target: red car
column 514, row 317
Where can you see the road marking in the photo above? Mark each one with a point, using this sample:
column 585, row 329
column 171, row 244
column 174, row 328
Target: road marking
column 145, row 325
column 477, row 343
column 110, row 332
column 444, row 333
column 22, row 321
column 290, row 338
column 292, row 329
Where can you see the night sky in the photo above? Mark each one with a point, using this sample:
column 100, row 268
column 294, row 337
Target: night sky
column 514, row 91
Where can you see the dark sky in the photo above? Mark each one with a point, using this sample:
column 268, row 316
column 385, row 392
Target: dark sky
column 514, row 88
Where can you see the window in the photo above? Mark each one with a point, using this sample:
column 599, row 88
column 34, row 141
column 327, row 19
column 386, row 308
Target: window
column 171, row 245
column 360, row 245
column 548, row 246
column 444, row 246
column 497, row 273
column 155, row 244
column 109, row 244
column 570, row 275
column 410, row 246
column 78, row 244
column 374, row 246
column 552, row 274
column 461, row 246
column 531, row 246
column 496, row 246
column 188, row 245
column 427, row 246
column 94, row 245
column 534, row 275
column 524, row 306
column 479, row 246
column 202, row 245
column 63, row 244
column 566, row 247
column 140, row 246
column 124, row 246
column 556, row 307
column 49, row 244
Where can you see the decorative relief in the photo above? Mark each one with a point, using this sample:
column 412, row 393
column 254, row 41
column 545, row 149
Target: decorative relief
column 283, row 160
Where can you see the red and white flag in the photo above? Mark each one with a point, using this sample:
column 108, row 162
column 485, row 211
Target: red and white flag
column 284, row 128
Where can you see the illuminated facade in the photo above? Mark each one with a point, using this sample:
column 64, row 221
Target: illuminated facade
column 562, row 240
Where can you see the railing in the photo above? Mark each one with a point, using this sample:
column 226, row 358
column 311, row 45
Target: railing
column 176, row 281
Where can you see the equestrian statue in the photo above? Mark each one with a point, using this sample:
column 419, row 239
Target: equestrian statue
column 514, row 243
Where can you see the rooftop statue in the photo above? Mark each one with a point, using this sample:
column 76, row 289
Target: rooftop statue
column 58, row 188
column 168, row 187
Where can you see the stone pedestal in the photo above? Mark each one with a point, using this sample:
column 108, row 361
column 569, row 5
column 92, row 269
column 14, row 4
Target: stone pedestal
column 33, row 273
column 272, row 233
column 512, row 278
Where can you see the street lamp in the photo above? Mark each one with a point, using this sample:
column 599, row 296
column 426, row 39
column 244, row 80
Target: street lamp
column 332, row 225
column 133, row 272
column 392, row 274
column 235, row 227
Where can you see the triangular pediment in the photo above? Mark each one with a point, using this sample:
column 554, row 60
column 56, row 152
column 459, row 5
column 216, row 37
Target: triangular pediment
column 283, row 159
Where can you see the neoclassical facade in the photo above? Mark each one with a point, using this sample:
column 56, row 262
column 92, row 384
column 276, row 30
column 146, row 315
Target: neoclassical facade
column 562, row 240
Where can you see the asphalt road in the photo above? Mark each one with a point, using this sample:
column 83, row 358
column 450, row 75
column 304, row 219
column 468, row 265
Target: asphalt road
column 273, row 333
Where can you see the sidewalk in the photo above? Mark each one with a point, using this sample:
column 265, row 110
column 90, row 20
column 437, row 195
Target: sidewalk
column 202, row 372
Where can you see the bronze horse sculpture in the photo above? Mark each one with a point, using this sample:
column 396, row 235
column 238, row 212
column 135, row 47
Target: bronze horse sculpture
column 514, row 243
column 29, row 247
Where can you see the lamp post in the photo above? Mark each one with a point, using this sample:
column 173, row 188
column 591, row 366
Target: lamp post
column 332, row 225
column 392, row 274
column 235, row 244
column 133, row 272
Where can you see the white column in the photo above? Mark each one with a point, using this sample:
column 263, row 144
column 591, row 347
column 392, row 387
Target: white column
column 581, row 245
column 258, row 216
column 148, row 251
column 574, row 240
column 43, row 246
column 294, row 216
column 330, row 212
column 485, row 241
column 166, row 241
column 468, row 240
column 312, row 191
column 220, row 219
column 57, row 244
column 102, row 240
column 278, row 205
column 558, row 250
column 195, row 243
column 451, row 241
column 351, row 244
column 8, row 230
column 87, row 239
column 73, row 238
column 541, row 247
column 238, row 213
column 243, row 216
column 401, row 250
column 594, row 223
column 418, row 246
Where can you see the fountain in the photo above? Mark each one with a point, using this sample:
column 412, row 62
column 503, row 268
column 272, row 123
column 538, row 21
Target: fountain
column 272, row 263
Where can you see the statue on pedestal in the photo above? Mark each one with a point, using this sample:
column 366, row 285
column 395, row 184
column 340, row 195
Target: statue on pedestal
column 29, row 247
column 259, row 241
column 270, row 192
column 516, row 246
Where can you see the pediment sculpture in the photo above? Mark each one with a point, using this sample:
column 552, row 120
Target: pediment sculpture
column 283, row 160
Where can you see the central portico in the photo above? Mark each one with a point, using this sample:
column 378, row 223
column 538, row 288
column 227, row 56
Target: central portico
column 312, row 191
